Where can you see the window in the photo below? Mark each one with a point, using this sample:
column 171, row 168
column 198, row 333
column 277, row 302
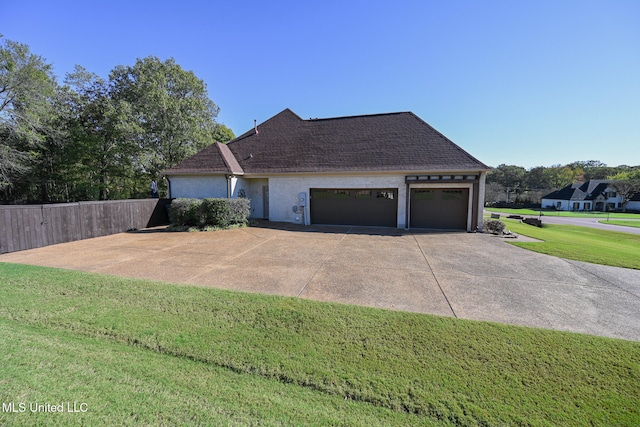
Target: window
column 321, row 194
column 424, row 194
column 341, row 194
column 364, row 194
column 587, row 206
column 452, row 195
column 576, row 206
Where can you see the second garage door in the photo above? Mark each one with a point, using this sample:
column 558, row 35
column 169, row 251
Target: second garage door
column 372, row 207
column 439, row 208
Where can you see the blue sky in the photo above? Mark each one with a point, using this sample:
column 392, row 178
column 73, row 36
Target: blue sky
column 531, row 83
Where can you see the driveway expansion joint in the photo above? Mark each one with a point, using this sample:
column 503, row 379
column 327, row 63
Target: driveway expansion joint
column 434, row 276
column 577, row 265
column 324, row 261
column 250, row 249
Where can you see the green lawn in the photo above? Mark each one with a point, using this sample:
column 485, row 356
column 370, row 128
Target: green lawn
column 580, row 243
column 628, row 223
column 142, row 352
column 545, row 212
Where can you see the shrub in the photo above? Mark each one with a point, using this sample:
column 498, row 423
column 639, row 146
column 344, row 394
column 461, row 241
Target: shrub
column 185, row 212
column 215, row 212
column 240, row 209
column 494, row 226
column 218, row 213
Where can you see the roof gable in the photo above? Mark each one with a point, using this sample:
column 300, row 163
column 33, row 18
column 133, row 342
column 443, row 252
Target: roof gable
column 589, row 190
column 216, row 158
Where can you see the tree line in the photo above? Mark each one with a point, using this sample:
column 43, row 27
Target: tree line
column 91, row 138
column 515, row 184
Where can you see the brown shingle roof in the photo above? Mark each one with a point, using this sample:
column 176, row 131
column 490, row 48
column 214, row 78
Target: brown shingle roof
column 381, row 142
column 216, row 158
column 229, row 159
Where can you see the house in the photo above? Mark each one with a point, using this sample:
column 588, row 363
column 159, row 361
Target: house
column 391, row 170
column 593, row 195
column 634, row 203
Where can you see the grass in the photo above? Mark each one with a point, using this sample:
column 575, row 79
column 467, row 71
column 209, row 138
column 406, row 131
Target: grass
column 142, row 352
column 581, row 243
column 629, row 223
column 564, row 213
column 119, row 384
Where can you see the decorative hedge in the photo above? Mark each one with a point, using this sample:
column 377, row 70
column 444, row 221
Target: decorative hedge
column 203, row 213
column 494, row 226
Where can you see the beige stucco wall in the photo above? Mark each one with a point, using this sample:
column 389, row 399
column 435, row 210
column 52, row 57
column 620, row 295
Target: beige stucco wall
column 253, row 190
column 284, row 192
column 198, row 187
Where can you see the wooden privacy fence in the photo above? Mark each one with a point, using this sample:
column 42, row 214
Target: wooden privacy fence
column 32, row 226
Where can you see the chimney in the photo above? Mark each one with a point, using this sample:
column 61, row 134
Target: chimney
column 255, row 125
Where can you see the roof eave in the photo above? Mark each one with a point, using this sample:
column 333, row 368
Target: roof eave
column 200, row 172
column 365, row 171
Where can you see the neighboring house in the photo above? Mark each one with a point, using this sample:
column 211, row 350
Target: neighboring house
column 634, row 203
column 593, row 195
column 390, row 170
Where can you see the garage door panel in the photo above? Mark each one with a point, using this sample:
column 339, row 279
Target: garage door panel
column 439, row 208
column 372, row 207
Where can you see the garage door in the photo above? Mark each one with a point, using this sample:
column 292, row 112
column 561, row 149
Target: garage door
column 439, row 208
column 373, row 207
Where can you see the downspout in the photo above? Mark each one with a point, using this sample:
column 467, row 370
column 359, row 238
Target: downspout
column 168, row 187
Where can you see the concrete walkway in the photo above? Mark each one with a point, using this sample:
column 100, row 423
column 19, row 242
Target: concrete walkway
column 471, row 276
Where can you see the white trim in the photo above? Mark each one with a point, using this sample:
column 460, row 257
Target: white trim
column 481, row 194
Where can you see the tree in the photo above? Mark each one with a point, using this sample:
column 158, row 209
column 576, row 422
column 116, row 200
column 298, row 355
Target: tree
column 26, row 84
column 93, row 138
column 536, row 179
column 627, row 184
column 494, row 192
column 560, row 176
column 589, row 169
column 103, row 135
column 222, row 134
column 172, row 109
column 47, row 180
column 509, row 176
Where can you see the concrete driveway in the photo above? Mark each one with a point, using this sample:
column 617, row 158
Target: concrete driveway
column 470, row 276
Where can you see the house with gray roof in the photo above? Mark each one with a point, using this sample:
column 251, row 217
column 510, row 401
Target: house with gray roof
column 593, row 195
column 391, row 170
